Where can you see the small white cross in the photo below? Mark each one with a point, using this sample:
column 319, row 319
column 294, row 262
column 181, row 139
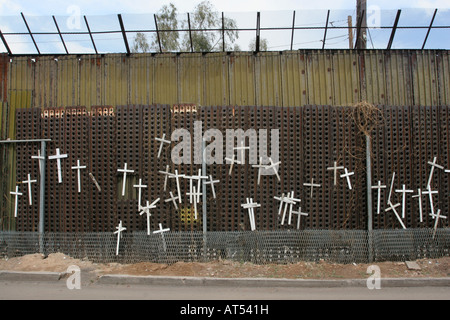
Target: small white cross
column 300, row 214
column 125, row 171
column 177, row 176
column 335, row 168
column 260, row 166
column 161, row 230
column 404, row 191
column 347, row 175
column 312, row 185
column 250, row 205
column 140, row 186
column 58, row 158
column 290, row 200
column 29, row 181
column 433, row 165
column 232, row 161
column 419, row 195
column 391, row 188
column 172, row 198
column 379, row 187
column 41, row 158
column 162, row 140
column 196, row 196
column 437, row 216
column 199, row 177
column 281, row 199
column 146, row 209
column 119, row 235
column 17, row 194
column 392, row 207
column 167, row 174
column 242, row 148
column 78, row 167
column 211, row 182
column 430, row 195
column 273, row 166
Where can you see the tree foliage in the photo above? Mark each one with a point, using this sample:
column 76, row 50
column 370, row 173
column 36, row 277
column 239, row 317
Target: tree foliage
column 198, row 39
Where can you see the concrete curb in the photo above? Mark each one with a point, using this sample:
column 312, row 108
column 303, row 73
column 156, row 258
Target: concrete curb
column 120, row 279
column 265, row 282
column 30, row 276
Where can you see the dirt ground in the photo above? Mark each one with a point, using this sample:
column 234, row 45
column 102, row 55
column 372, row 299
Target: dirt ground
column 58, row 262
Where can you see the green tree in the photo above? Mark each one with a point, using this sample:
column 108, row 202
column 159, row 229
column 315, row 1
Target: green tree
column 205, row 17
column 140, row 43
column 263, row 45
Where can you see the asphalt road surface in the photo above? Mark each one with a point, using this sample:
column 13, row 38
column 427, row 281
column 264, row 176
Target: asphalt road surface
column 31, row 290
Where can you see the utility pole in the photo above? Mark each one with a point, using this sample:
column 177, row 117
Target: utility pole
column 361, row 15
column 350, row 32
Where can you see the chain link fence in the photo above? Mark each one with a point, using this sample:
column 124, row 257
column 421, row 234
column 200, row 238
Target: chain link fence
column 260, row 247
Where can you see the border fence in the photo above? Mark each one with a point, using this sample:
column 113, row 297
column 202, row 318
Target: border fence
column 259, row 247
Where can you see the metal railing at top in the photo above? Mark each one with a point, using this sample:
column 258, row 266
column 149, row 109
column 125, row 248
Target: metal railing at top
column 354, row 33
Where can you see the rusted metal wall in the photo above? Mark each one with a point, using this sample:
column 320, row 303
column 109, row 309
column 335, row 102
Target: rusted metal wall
column 290, row 78
column 311, row 139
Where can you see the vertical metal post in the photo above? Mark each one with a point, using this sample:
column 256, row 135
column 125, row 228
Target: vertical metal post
column 190, row 33
column 326, row 29
column 157, row 33
column 31, row 34
column 429, row 28
column 90, row 34
column 369, row 195
column 60, row 35
column 258, row 31
column 42, row 198
column 205, row 228
column 293, row 28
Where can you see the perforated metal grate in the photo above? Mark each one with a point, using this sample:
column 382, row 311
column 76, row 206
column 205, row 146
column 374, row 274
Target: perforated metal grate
column 311, row 139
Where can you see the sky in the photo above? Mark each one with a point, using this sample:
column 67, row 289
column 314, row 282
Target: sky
column 138, row 14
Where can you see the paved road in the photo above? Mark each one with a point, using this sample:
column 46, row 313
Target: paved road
column 31, row 290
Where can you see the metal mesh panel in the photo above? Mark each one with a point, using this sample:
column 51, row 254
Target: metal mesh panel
column 261, row 247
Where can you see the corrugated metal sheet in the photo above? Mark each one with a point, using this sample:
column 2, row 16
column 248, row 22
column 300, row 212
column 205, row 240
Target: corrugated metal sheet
column 290, row 78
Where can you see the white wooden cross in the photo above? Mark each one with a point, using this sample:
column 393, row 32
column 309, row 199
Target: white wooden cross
column 335, row 168
column 312, row 185
column 16, row 194
column 146, row 210
column 119, row 228
column 172, row 198
column 260, row 166
column 167, row 174
column 379, row 187
column 430, row 195
column 161, row 230
column 392, row 207
column 177, row 176
column 291, row 201
column 347, row 175
column 281, row 199
column 125, row 171
column 140, row 186
column 211, row 182
column 40, row 159
column 437, row 216
column 162, row 140
column 196, row 196
column 199, row 177
column 300, row 214
column 78, row 167
column 242, row 148
column 58, row 158
column 273, row 166
column 404, row 191
column 419, row 195
column 232, row 161
column 433, row 165
column 250, row 205
column 391, row 188
column 29, row 181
